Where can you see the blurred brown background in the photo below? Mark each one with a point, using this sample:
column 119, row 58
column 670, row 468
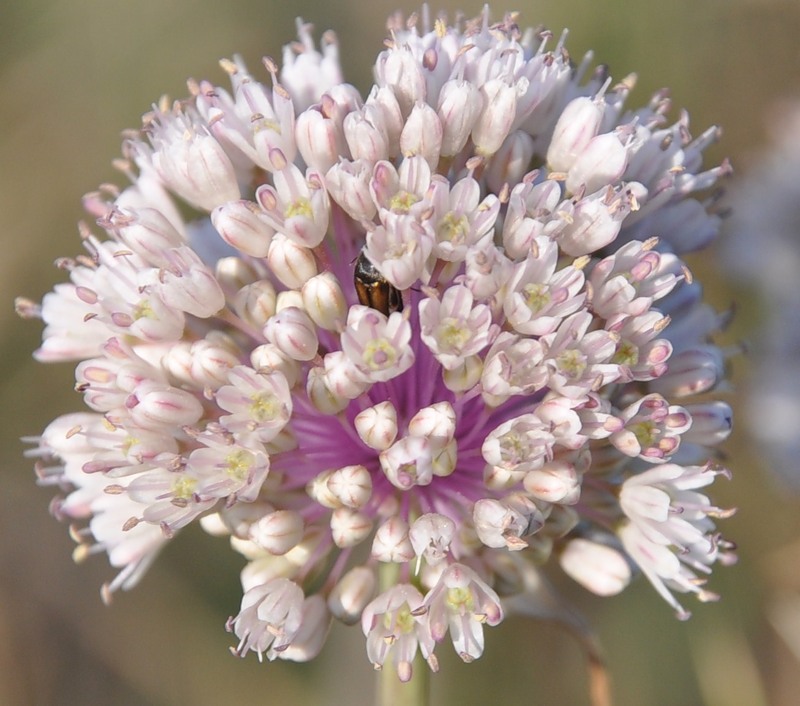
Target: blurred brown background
column 72, row 76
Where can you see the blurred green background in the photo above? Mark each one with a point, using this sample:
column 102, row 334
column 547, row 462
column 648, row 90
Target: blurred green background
column 73, row 74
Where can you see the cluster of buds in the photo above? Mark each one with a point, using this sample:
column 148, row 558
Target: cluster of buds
column 443, row 334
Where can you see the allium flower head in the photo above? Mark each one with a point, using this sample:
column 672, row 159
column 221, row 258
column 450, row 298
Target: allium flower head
column 441, row 332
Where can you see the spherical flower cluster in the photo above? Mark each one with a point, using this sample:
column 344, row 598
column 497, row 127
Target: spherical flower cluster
column 442, row 334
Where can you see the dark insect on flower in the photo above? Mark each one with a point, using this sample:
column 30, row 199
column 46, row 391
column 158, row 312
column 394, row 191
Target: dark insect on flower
column 373, row 289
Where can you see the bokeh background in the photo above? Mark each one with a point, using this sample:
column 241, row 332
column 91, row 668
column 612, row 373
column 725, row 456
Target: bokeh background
column 73, row 75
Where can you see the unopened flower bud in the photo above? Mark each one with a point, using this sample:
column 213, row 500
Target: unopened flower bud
column 422, row 134
column 241, row 225
column 289, row 298
column 436, row 423
column 322, row 397
column 349, row 527
column 555, row 482
column 324, row 301
column 198, row 170
column 691, row 372
column 212, row 359
column 255, row 303
column 498, row 478
column 460, row 104
column 579, row 122
column 351, row 594
column 319, row 140
column 599, row 164
column 712, row 423
column 601, row 569
column 499, row 111
column 214, row 525
column 235, row 521
column 383, row 100
column 278, row 532
column 365, row 139
column 147, row 232
column 317, row 489
column 268, row 357
column 259, row 573
column 154, row 406
column 444, row 461
column 177, row 361
column 291, row 263
column 342, row 377
column 391, row 542
column 404, row 75
column 465, row 375
column 511, row 162
column 351, row 485
column 294, row 333
column 594, row 223
column 234, row 273
column 187, row 284
column 377, row 426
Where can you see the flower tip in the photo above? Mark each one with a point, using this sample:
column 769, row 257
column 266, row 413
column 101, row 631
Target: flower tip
column 404, row 671
column 80, row 553
column 433, row 662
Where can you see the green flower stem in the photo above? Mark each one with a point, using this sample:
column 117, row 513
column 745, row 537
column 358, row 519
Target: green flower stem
column 390, row 690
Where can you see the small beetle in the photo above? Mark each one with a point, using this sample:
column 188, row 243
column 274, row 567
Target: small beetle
column 373, row 289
